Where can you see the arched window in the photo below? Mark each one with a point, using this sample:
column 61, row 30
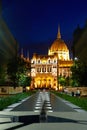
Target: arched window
column 54, row 61
column 38, row 61
column 49, row 61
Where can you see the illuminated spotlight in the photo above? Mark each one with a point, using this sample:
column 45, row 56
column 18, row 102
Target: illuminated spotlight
column 39, row 102
column 48, row 107
column 37, row 107
column 75, row 58
column 36, row 110
column 50, row 110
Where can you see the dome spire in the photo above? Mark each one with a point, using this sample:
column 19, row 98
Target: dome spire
column 59, row 35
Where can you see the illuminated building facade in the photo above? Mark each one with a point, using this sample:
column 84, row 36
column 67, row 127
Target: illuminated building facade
column 45, row 69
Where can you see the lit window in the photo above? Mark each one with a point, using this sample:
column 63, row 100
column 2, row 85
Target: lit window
column 38, row 69
column 54, row 66
column 49, row 69
column 54, row 61
column 54, row 84
column 48, row 61
column 44, row 69
column 33, row 62
column 38, row 61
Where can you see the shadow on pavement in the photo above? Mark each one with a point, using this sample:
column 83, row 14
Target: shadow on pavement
column 52, row 119
column 27, row 120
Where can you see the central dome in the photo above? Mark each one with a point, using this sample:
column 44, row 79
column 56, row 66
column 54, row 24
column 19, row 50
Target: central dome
column 58, row 45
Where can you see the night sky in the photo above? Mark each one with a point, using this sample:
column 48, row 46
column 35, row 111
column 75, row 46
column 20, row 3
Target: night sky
column 34, row 23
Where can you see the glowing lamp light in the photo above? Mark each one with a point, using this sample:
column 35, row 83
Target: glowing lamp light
column 28, row 88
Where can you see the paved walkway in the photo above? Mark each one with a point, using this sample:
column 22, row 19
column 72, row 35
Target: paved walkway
column 61, row 121
column 76, row 120
column 55, row 121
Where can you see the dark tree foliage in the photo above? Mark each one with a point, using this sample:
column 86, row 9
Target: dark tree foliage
column 2, row 75
column 79, row 45
column 24, row 80
column 76, row 35
column 14, row 68
column 63, row 80
column 79, row 73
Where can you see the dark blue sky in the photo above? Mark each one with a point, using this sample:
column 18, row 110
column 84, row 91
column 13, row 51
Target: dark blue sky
column 34, row 23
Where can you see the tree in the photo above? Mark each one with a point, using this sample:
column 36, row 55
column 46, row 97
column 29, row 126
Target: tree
column 17, row 71
column 76, row 36
column 12, row 69
column 24, row 71
column 79, row 73
column 15, row 68
column 79, row 45
column 24, row 80
column 2, row 75
column 62, row 80
column 67, row 81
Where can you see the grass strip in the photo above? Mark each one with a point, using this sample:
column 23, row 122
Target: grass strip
column 79, row 101
column 11, row 99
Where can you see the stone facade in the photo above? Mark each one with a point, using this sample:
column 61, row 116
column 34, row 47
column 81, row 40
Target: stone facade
column 45, row 69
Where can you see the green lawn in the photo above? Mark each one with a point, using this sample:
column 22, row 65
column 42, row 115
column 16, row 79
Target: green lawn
column 79, row 101
column 8, row 100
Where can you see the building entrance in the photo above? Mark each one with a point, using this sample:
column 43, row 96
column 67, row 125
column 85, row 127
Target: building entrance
column 43, row 83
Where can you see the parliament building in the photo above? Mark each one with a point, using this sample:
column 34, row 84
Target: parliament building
column 45, row 69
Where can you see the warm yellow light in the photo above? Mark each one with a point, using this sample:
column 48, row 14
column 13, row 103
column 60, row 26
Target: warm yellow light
column 56, row 88
column 28, row 88
column 28, row 74
column 60, row 87
column 43, row 61
column 39, row 82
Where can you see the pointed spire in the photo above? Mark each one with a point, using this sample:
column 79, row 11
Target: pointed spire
column 59, row 35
